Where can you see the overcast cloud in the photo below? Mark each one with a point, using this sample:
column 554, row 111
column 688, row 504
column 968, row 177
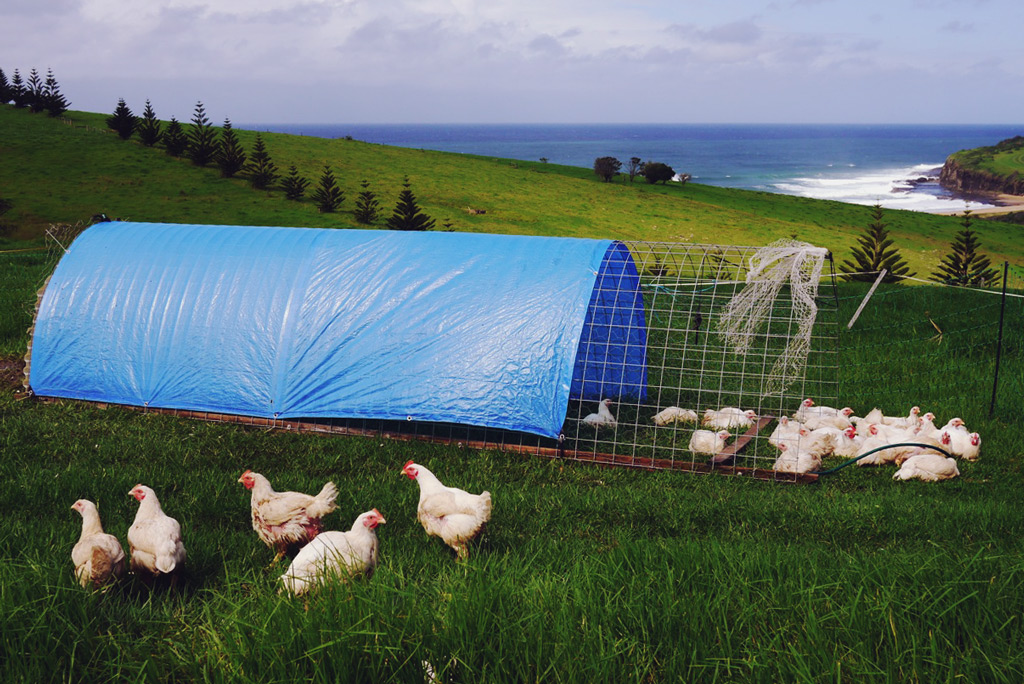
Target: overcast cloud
column 425, row 61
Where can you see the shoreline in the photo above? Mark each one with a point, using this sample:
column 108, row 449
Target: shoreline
column 1002, row 204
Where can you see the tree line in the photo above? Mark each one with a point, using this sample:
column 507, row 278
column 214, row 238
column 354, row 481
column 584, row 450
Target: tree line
column 37, row 94
column 204, row 144
column 607, row 168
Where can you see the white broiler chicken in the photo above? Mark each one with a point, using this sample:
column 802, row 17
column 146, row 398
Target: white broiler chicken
column 962, row 444
column 674, row 414
column 882, row 435
column 955, row 424
column 335, row 555
column 286, row 520
column 913, row 419
column 728, row 418
column 454, row 515
column 98, row 556
column 848, row 444
column 786, row 432
column 808, row 409
column 822, row 441
column 603, row 417
column 928, row 467
column 154, row 539
column 839, row 420
column 708, row 442
column 795, row 460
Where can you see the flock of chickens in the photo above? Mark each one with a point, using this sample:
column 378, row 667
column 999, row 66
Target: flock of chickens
column 286, row 522
column 814, row 432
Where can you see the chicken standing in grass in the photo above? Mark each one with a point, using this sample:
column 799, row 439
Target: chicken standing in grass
column 154, row 539
column 287, row 520
column 98, row 556
column 335, row 554
column 603, row 417
column 674, row 414
column 452, row 514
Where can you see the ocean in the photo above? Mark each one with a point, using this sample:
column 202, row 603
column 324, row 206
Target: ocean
column 896, row 166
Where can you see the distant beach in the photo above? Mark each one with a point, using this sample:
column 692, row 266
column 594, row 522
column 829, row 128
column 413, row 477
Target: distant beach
column 896, row 166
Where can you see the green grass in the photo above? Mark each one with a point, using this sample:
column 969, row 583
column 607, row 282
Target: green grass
column 585, row 574
column 57, row 172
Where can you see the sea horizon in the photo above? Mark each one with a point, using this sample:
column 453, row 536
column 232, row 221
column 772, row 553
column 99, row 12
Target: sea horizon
column 895, row 165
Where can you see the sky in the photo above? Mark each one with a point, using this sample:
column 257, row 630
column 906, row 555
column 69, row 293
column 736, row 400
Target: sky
column 530, row 61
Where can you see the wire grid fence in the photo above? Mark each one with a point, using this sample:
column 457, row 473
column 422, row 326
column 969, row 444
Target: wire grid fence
column 690, row 364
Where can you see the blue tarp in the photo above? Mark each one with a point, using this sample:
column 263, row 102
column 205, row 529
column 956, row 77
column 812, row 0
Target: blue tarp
column 484, row 330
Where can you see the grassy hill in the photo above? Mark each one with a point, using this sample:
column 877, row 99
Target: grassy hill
column 66, row 171
column 998, row 168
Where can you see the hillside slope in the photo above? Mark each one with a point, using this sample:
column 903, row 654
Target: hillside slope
column 68, row 170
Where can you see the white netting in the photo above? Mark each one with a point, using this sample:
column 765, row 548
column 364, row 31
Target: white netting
column 785, row 261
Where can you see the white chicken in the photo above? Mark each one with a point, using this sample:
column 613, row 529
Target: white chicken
column 454, row 515
column 98, row 556
column 955, row 424
column 708, row 442
column 809, row 409
column 962, row 444
column 848, row 444
column 674, row 414
column 335, row 554
column 603, row 417
column 913, row 419
column 154, row 539
column 794, row 460
column 728, row 418
column 286, row 520
column 928, row 467
column 839, row 420
column 787, row 431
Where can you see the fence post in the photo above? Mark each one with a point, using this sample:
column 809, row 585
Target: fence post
column 999, row 342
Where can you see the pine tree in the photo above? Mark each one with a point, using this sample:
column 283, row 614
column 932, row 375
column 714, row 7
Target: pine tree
column 5, row 88
column 876, row 252
column 407, row 214
column 17, row 90
column 367, row 207
column 175, row 140
column 965, row 265
column 56, row 103
column 123, row 122
column 202, row 139
column 294, row 185
column 230, row 155
column 149, row 126
column 262, row 171
column 34, row 91
column 328, row 196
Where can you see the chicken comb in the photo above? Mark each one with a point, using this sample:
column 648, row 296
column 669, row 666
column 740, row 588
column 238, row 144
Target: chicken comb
column 407, row 464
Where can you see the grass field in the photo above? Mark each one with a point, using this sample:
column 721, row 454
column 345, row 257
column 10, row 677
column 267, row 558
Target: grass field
column 585, row 574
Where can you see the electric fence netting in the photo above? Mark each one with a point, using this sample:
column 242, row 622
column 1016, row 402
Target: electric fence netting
column 920, row 343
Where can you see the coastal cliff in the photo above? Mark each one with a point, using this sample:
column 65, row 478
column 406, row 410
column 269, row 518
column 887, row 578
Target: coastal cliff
column 996, row 169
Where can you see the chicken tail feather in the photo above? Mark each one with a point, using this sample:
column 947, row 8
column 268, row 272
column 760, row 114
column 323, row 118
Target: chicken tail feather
column 324, row 502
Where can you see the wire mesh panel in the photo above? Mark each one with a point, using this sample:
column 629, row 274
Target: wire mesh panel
column 707, row 365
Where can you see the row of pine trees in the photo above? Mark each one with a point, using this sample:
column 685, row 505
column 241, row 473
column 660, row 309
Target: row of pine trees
column 963, row 265
column 204, row 144
column 37, row 94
